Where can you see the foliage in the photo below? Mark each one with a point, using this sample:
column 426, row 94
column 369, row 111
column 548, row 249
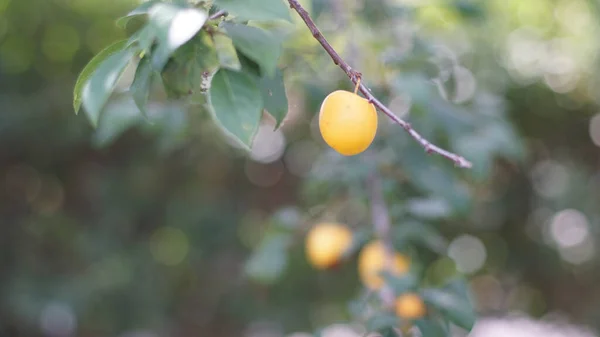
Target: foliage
column 170, row 213
column 235, row 99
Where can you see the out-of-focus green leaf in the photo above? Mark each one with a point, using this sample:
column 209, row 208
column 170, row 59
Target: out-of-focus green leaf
column 431, row 328
column 420, row 233
column 494, row 139
column 389, row 332
column 248, row 66
column 359, row 238
column 382, row 321
column 101, row 83
column 435, row 179
column 505, row 139
column 456, row 308
column 170, row 122
column 117, row 118
column 479, row 152
column 459, row 286
column 470, row 9
column 89, row 69
column 204, row 51
column 274, row 96
column 259, row 45
column 428, row 208
column 174, row 26
column 180, row 77
column 140, row 10
column 400, row 284
column 144, row 38
column 183, row 74
column 256, row 9
column 237, row 104
column 227, row 55
column 140, row 87
column 269, row 261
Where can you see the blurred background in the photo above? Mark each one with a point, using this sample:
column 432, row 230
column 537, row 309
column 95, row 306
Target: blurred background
column 157, row 229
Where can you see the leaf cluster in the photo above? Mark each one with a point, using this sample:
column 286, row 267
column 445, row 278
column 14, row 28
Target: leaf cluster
column 228, row 65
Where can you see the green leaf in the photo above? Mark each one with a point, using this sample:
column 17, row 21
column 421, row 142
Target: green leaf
column 389, row 332
column 226, row 53
column 434, row 179
column 89, row 69
column 140, row 10
column 174, row 25
column 274, row 96
column 431, row 328
column 144, row 38
column 101, row 84
column 470, row 10
column 400, row 284
column 429, row 208
column 205, row 52
column 237, row 104
column 140, row 87
column 381, row 321
column 421, row 233
column 456, row 308
column 118, row 117
column 268, row 262
column 248, row 66
column 259, row 45
column 182, row 75
column 479, row 151
column 259, row 10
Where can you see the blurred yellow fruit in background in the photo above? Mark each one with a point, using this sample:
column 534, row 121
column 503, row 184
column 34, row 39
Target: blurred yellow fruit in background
column 410, row 306
column 372, row 261
column 326, row 243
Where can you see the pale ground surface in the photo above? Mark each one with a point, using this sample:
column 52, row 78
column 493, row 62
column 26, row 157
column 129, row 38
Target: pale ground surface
column 510, row 326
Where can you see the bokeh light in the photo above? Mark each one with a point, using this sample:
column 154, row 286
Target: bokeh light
column 401, row 105
column 60, row 42
column 594, row 129
column 264, row 175
column 22, row 182
column 569, row 228
column 468, row 252
column 16, row 54
column 264, row 329
column 583, row 252
column 101, row 33
column 268, row 145
column 340, row 330
column 58, row 320
column 169, row 246
column 489, row 293
column 550, row 178
column 300, row 156
column 50, row 197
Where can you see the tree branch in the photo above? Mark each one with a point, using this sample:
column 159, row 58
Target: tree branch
column 380, row 217
column 355, row 75
column 217, row 15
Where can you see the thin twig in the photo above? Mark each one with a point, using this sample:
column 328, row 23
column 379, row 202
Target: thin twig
column 218, row 14
column 355, row 75
column 382, row 226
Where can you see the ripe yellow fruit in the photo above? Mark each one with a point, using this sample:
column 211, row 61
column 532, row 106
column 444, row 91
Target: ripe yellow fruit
column 326, row 243
column 372, row 260
column 410, row 306
column 348, row 122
